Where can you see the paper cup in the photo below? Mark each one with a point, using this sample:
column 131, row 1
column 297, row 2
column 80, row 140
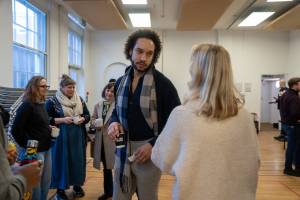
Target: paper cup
column 98, row 123
column 55, row 132
column 76, row 119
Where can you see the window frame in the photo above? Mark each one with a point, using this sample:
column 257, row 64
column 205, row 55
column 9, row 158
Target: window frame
column 43, row 35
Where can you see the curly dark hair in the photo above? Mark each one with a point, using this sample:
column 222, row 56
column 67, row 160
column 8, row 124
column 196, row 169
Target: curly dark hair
column 143, row 33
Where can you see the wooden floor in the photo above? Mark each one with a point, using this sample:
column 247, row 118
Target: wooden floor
column 273, row 185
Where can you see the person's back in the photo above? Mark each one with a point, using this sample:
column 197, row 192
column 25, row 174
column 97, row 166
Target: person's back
column 209, row 144
column 219, row 158
column 290, row 107
column 290, row 115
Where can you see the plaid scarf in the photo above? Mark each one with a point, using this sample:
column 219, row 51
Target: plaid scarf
column 149, row 109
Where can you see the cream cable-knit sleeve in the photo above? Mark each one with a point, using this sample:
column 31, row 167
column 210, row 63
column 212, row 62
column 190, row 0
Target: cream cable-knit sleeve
column 166, row 149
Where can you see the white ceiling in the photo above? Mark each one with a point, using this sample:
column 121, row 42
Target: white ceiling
column 168, row 14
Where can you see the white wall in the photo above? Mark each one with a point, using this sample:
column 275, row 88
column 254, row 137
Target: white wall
column 106, row 47
column 293, row 64
column 6, row 37
column 252, row 53
column 176, row 55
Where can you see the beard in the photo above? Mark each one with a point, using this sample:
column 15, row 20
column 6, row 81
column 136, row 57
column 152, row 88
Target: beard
column 140, row 70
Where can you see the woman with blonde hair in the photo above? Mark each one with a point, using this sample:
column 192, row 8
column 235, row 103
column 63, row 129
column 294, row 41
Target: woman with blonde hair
column 209, row 143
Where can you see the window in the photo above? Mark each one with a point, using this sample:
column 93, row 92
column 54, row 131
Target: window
column 75, row 50
column 29, row 42
column 74, row 54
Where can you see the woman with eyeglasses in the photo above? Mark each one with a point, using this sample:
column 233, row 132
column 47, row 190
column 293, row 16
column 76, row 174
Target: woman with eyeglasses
column 68, row 111
column 32, row 123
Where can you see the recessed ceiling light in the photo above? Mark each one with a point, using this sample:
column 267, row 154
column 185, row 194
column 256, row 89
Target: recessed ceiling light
column 278, row 0
column 140, row 19
column 255, row 18
column 140, row 2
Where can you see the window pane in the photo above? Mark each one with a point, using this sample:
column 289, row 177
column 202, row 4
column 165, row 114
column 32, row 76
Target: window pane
column 74, row 74
column 27, row 63
column 78, row 59
column 32, row 21
column 19, row 34
column 75, row 46
column 35, row 26
column 41, row 30
column 21, row 14
column 31, row 39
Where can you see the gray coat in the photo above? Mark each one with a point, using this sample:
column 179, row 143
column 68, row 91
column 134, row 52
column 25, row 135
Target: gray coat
column 101, row 133
column 12, row 186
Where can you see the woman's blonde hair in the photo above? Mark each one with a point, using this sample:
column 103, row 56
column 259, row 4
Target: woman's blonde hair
column 212, row 82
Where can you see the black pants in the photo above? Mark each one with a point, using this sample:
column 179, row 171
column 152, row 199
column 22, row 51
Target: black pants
column 107, row 174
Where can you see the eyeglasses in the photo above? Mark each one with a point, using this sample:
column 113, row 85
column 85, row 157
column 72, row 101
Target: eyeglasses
column 45, row 86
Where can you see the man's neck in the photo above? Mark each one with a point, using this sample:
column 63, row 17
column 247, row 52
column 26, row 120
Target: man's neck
column 295, row 89
column 137, row 74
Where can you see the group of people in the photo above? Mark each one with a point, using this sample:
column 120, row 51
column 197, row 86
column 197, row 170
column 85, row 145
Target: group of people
column 208, row 142
column 62, row 157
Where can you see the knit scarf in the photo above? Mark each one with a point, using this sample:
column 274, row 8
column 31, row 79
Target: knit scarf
column 71, row 106
column 149, row 109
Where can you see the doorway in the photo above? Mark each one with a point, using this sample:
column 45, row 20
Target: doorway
column 270, row 116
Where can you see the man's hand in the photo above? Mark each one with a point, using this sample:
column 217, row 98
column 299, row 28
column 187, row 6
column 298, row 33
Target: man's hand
column 143, row 153
column 31, row 172
column 11, row 156
column 114, row 130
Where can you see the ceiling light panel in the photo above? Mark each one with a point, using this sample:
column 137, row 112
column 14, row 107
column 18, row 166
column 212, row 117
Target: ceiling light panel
column 255, row 18
column 140, row 19
column 134, row 2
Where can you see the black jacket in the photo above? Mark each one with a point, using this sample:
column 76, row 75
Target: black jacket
column 5, row 115
column 290, row 107
column 166, row 95
column 32, row 123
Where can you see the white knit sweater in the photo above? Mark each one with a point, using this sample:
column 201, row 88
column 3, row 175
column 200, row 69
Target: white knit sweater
column 211, row 159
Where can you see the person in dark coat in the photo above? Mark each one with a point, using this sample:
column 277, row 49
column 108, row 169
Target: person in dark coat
column 290, row 117
column 32, row 123
column 69, row 113
column 144, row 101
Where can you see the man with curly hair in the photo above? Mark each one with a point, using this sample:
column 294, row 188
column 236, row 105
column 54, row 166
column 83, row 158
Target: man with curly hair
column 144, row 101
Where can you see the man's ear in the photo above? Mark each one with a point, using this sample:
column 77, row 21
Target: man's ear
column 130, row 52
